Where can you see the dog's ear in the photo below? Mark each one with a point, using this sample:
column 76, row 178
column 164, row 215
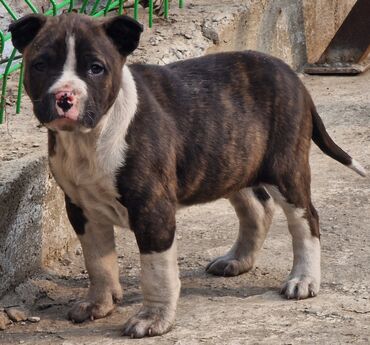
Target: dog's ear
column 124, row 32
column 25, row 29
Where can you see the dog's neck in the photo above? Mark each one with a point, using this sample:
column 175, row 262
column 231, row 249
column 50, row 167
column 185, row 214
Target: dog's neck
column 105, row 145
column 111, row 144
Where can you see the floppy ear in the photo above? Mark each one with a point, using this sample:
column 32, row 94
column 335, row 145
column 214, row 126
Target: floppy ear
column 124, row 32
column 25, row 29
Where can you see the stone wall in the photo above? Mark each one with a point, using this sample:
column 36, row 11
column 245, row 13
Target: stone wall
column 296, row 31
column 34, row 229
column 322, row 20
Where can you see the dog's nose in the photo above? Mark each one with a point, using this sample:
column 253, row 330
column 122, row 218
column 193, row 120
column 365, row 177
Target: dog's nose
column 65, row 100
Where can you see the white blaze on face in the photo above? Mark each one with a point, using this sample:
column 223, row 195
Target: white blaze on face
column 69, row 87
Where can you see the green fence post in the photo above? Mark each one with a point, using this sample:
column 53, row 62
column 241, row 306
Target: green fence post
column 20, row 89
column 31, row 6
column 166, row 9
column 2, row 45
column 5, row 80
column 83, row 7
column 120, row 7
column 56, row 7
column 71, row 5
column 136, row 9
column 9, row 10
column 2, row 42
column 107, row 7
column 55, row 10
column 181, row 3
column 95, row 6
column 150, row 13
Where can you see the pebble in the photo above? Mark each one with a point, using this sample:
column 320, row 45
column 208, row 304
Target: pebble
column 34, row 319
column 16, row 314
column 121, row 310
column 4, row 321
column 66, row 262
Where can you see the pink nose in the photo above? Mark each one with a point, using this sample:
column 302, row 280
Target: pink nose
column 65, row 99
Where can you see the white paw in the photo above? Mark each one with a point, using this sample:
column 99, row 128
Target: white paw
column 300, row 287
column 149, row 321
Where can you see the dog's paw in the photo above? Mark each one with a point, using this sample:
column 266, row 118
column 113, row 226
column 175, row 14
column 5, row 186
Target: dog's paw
column 82, row 311
column 228, row 266
column 149, row 321
column 300, row 287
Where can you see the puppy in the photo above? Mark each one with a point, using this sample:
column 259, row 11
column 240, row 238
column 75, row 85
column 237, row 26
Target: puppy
column 129, row 145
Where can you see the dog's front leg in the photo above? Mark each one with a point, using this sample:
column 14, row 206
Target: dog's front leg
column 97, row 241
column 160, row 283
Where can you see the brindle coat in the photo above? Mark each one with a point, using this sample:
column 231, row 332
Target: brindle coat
column 149, row 139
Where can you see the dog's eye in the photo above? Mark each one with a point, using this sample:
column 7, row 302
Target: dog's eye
column 39, row 66
column 96, row 69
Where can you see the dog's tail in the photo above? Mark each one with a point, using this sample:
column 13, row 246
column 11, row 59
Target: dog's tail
column 326, row 144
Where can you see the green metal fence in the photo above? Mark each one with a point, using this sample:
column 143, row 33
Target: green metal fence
column 94, row 8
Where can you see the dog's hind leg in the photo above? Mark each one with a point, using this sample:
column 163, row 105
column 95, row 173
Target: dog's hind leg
column 303, row 223
column 254, row 208
column 97, row 241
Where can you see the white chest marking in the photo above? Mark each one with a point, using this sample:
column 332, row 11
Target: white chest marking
column 85, row 164
column 111, row 145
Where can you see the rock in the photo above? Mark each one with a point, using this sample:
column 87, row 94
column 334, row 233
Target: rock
column 16, row 314
column 28, row 292
column 121, row 310
column 66, row 262
column 33, row 319
column 4, row 321
column 210, row 33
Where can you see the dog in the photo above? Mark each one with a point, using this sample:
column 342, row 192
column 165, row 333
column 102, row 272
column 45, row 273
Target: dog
column 131, row 144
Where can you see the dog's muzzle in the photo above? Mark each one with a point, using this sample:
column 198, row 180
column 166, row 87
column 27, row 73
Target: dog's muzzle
column 66, row 103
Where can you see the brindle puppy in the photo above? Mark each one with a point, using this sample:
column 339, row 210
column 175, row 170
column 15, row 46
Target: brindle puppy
column 132, row 144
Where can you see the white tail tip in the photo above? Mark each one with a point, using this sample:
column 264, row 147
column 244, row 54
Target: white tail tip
column 356, row 166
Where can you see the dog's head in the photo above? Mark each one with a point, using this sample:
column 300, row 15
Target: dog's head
column 73, row 65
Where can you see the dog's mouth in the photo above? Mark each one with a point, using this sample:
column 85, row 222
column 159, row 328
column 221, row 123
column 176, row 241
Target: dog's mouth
column 62, row 123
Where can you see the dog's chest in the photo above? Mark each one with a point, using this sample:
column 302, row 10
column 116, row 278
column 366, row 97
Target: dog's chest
column 81, row 175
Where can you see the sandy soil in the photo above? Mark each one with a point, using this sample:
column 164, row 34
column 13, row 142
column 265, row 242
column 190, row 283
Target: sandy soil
column 246, row 309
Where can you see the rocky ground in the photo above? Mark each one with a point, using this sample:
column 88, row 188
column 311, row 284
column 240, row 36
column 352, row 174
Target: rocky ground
column 246, row 309
column 241, row 310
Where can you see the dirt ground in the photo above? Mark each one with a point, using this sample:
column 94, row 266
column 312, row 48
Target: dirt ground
column 246, row 309
column 241, row 310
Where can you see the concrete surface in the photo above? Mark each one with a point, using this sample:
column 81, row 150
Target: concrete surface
column 322, row 20
column 34, row 228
